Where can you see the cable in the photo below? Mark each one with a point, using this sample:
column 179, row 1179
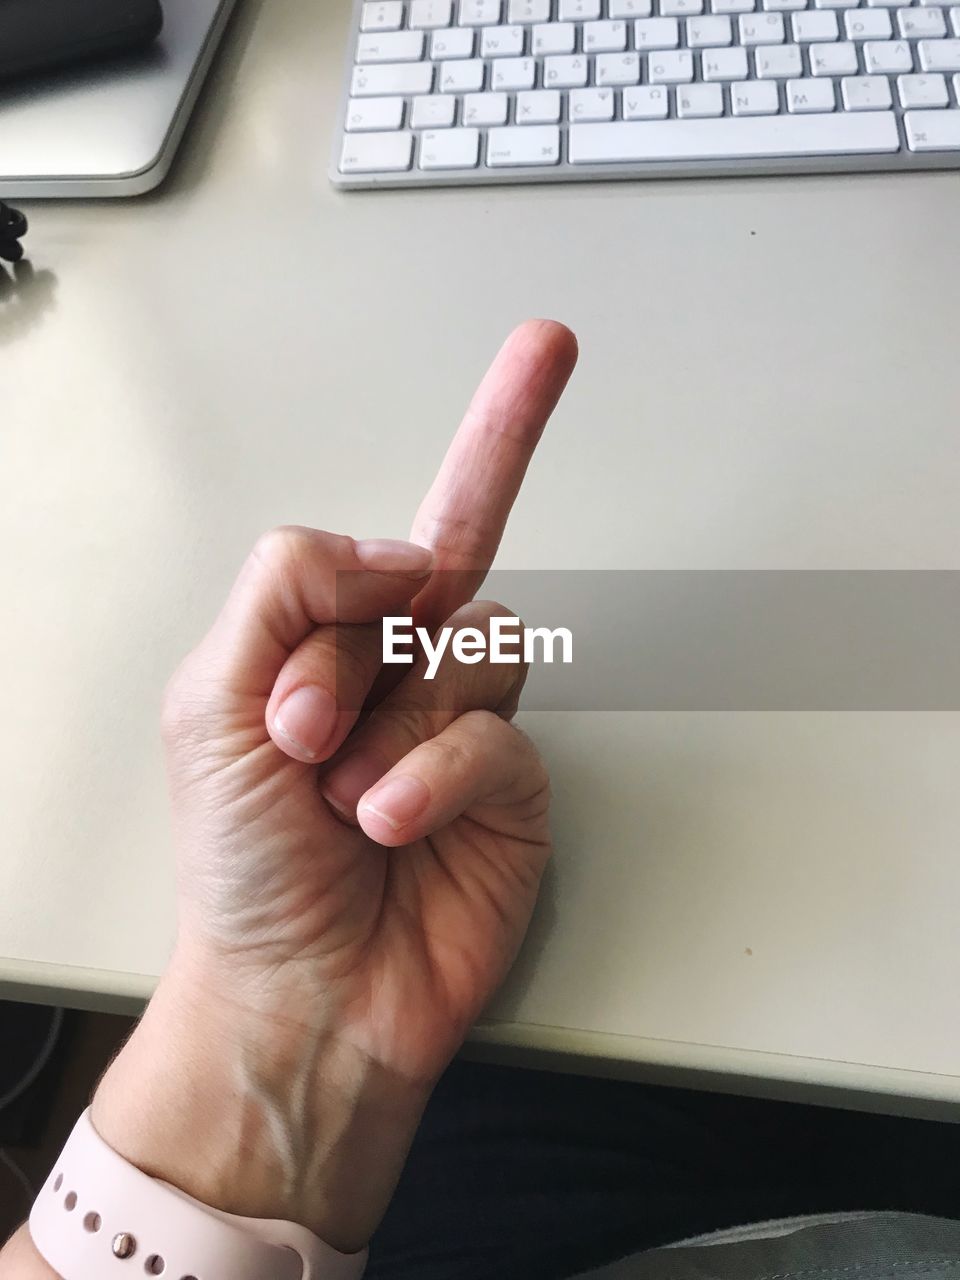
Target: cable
column 41, row 1060
column 8, row 1162
column 13, row 227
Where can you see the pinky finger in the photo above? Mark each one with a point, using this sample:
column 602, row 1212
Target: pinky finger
column 478, row 760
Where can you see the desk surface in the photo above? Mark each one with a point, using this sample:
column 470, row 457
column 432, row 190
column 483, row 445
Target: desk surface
column 768, row 380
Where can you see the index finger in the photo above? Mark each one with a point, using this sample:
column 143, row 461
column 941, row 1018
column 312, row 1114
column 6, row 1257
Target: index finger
column 463, row 516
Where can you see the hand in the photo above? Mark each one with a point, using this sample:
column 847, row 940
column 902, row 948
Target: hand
column 349, row 897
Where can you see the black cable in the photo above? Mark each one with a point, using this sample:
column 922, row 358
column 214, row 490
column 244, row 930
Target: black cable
column 13, row 227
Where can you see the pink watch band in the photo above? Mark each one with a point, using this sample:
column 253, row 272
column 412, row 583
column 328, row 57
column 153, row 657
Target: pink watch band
column 98, row 1217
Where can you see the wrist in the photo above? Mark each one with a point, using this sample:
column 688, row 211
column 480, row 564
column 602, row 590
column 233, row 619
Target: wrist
column 19, row 1259
column 257, row 1114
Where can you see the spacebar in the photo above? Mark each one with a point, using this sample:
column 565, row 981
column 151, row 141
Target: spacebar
column 736, row 138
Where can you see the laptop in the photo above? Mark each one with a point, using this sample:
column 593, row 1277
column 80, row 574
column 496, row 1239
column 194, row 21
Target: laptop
column 112, row 128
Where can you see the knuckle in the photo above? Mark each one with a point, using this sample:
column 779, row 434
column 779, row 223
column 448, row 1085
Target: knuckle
column 477, row 724
column 181, row 711
column 537, row 789
column 408, row 724
column 278, row 546
column 479, row 613
column 279, row 549
column 454, row 753
column 494, row 683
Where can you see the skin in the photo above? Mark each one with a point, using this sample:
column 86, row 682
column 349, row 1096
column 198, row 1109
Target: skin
column 352, row 888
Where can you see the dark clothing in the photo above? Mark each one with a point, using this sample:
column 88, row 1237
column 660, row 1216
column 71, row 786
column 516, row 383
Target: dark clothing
column 529, row 1175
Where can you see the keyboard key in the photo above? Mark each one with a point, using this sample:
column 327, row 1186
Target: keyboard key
column 565, row 73
column 921, row 24
column 373, row 113
column 782, row 6
column 761, row 28
column 512, row 73
column 523, row 145
column 708, row 32
column 617, row 68
column 578, row 10
column 461, row 77
column 922, row 91
column 884, row 4
column 698, row 101
column 939, row 55
column 450, row 149
column 629, row 8
column 732, row 6
column 540, row 106
column 479, row 13
column 842, row 4
column 656, row 33
column 865, row 93
column 778, row 62
column 591, row 104
column 528, row 11
column 955, row 22
column 956, row 87
column 881, row 57
column 680, row 8
column 867, row 24
column 819, row 25
column 810, row 95
column 501, row 42
column 432, row 112
column 833, row 59
column 724, row 64
column 744, row 139
column 485, row 108
column 430, row 13
column 604, row 37
column 376, row 152
column 754, row 98
column 454, row 43
column 649, row 102
column 670, row 67
column 933, row 130
column 391, row 46
column 554, row 37
column 385, row 80
column 382, row 15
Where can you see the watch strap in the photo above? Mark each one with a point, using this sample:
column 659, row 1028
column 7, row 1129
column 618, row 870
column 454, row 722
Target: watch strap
column 98, row 1217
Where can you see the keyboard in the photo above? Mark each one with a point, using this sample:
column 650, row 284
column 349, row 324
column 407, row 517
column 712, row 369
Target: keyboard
column 456, row 92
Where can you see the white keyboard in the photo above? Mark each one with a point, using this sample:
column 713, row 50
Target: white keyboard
column 466, row 91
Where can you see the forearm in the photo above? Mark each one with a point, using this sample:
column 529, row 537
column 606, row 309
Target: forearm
column 271, row 1122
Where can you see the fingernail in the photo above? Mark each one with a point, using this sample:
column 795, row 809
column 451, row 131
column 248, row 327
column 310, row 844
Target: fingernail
column 344, row 785
column 385, row 555
column 307, row 718
column 398, row 801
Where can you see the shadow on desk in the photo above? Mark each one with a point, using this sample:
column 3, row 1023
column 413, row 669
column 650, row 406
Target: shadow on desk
column 26, row 296
column 282, row 39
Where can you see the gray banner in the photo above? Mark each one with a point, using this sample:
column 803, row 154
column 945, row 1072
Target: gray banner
column 745, row 641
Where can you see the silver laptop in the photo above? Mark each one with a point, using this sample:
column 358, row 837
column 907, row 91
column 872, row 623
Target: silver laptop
column 109, row 129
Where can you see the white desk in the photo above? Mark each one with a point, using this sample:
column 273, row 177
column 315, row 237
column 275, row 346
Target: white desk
column 768, row 380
